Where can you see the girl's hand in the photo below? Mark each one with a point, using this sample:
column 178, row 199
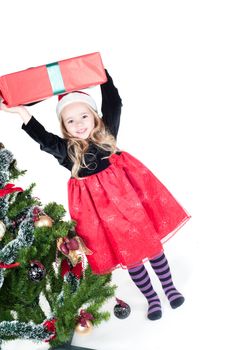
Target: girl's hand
column 21, row 110
column 16, row 109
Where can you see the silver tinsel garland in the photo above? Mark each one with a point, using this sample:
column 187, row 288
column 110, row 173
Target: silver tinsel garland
column 25, row 238
column 6, row 158
column 23, row 330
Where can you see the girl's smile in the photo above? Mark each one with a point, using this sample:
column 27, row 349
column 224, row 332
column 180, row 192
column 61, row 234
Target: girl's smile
column 81, row 131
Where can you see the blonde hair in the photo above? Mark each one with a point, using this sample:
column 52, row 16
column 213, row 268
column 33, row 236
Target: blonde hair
column 77, row 148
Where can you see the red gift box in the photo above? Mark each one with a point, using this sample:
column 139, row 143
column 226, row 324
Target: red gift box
column 38, row 83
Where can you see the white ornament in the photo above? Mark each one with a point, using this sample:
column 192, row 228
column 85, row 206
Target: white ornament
column 2, row 229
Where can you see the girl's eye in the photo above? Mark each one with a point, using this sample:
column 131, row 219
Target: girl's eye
column 70, row 121
column 85, row 116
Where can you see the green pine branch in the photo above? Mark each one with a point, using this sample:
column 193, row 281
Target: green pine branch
column 15, row 173
column 22, row 202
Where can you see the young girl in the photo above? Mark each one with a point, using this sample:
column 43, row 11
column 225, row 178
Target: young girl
column 122, row 211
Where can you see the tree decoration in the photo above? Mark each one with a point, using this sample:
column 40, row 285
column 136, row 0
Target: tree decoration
column 44, row 221
column 9, row 188
column 36, row 271
column 41, row 219
column 121, row 310
column 2, row 229
column 74, row 248
column 50, row 327
column 67, row 267
column 24, row 239
column 84, row 325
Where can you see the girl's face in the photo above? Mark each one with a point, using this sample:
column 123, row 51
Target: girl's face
column 78, row 120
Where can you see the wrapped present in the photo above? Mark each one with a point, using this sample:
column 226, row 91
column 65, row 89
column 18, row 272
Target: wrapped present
column 38, row 83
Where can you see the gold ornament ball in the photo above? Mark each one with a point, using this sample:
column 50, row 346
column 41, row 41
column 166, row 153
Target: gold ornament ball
column 44, row 221
column 2, row 229
column 79, row 329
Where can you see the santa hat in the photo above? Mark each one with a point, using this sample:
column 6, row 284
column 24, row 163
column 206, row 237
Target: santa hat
column 79, row 96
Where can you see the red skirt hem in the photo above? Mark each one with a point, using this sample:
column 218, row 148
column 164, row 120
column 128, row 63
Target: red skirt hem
column 146, row 259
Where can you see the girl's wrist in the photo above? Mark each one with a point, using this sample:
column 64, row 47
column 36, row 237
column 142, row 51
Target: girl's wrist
column 25, row 115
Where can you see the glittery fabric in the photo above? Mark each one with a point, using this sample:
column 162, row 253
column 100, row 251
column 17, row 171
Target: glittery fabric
column 123, row 214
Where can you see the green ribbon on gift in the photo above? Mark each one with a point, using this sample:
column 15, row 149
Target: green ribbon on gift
column 55, row 78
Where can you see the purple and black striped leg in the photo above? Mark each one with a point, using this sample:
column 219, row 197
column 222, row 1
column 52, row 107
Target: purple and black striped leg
column 140, row 277
column 162, row 269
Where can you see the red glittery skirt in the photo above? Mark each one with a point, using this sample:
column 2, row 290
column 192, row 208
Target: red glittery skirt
column 123, row 213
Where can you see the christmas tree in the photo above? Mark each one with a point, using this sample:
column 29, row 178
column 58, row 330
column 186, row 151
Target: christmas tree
column 43, row 262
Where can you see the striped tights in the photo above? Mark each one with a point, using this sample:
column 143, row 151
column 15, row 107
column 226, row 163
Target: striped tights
column 140, row 277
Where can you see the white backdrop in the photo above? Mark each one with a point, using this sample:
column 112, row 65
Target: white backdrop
column 171, row 61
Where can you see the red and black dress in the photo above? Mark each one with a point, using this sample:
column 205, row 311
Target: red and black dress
column 122, row 211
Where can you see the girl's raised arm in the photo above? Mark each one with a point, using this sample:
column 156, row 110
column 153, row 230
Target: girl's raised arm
column 111, row 105
column 48, row 142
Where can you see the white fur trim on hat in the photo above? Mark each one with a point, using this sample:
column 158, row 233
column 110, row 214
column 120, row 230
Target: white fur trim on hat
column 75, row 97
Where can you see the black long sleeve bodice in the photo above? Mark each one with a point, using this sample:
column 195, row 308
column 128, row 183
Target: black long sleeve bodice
column 94, row 157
